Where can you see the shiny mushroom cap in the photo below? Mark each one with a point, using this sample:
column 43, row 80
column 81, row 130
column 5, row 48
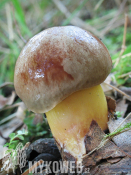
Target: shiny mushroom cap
column 57, row 62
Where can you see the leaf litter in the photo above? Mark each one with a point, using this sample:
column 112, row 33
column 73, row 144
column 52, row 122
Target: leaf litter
column 7, row 101
column 112, row 156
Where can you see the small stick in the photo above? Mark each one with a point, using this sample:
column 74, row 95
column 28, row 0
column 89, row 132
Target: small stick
column 98, row 4
column 103, row 142
column 11, row 106
column 8, row 118
column 123, row 47
column 128, row 116
column 124, row 56
column 127, row 96
column 124, row 75
column 112, row 21
column 107, row 138
column 6, row 84
column 9, row 22
column 75, row 21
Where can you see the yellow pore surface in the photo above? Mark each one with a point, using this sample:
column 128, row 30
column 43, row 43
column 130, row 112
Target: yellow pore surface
column 70, row 120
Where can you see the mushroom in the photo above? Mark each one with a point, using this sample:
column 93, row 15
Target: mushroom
column 59, row 73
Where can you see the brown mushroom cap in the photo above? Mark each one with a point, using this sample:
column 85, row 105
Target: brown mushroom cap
column 57, row 62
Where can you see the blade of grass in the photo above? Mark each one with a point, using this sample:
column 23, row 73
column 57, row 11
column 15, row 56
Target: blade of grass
column 73, row 14
column 3, row 2
column 19, row 15
column 8, row 63
column 98, row 4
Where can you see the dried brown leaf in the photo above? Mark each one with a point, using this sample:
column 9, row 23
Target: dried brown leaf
column 6, row 101
column 111, row 104
column 123, row 141
column 92, row 140
column 120, row 168
column 8, row 128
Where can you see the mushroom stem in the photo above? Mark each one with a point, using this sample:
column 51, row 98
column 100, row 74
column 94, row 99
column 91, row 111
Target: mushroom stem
column 70, row 120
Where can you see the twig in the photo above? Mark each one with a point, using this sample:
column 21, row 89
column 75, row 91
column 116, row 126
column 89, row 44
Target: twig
column 112, row 21
column 74, row 13
column 127, row 90
column 127, row 96
column 124, row 35
column 106, row 138
column 102, row 143
column 98, row 4
column 124, row 75
column 104, row 20
column 11, row 106
column 8, row 118
column 75, row 21
column 128, row 116
column 9, row 22
column 45, row 22
column 6, row 84
column 124, row 56
column 119, row 23
column 124, row 41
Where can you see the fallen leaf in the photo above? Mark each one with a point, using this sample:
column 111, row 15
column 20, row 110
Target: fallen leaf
column 92, row 139
column 121, row 106
column 111, row 104
column 21, row 111
column 123, row 140
column 6, row 101
column 120, row 168
column 8, row 128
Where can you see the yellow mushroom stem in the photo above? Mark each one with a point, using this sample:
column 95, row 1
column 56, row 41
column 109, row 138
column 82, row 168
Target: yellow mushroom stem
column 70, row 120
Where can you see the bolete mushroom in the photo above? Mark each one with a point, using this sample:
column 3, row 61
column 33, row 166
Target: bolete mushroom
column 59, row 73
